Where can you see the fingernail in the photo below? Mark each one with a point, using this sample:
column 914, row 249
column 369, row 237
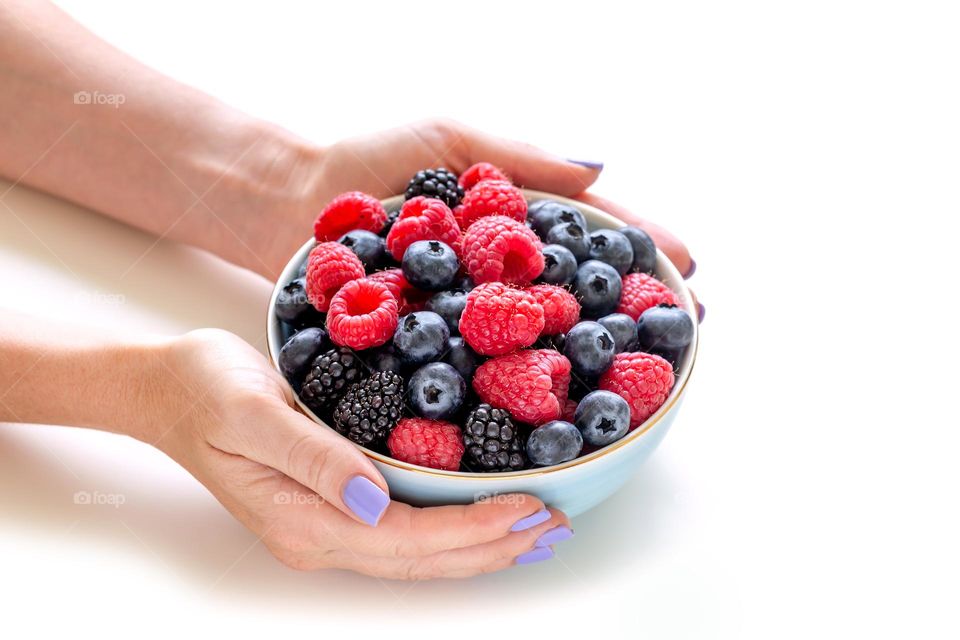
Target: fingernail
column 536, row 555
column 365, row 499
column 531, row 521
column 692, row 270
column 555, row 535
column 701, row 313
column 588, row 164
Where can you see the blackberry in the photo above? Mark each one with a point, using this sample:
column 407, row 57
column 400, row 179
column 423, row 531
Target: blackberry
column 370, row 410
column 435, row 183
column 328, row 378
column 391, row 218
column 492, row 441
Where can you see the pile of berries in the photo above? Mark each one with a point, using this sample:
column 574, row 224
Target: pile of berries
column 469, row 330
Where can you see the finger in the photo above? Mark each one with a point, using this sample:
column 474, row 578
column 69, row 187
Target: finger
column 321, row 460
column 407, row 531
column 527, row 165
column 502, row 553
column 665, row 241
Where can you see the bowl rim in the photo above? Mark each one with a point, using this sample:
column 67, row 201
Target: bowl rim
column 607, row 221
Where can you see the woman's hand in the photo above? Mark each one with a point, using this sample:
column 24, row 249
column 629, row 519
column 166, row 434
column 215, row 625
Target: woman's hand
column 275, row 215
column 311, row 496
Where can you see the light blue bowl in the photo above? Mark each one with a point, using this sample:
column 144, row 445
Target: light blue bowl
column 572, row 487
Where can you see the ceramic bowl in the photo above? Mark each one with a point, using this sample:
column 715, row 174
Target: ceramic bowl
column 573, row 486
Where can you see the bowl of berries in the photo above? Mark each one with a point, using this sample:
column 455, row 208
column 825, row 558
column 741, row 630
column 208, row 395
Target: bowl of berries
column 476, row 339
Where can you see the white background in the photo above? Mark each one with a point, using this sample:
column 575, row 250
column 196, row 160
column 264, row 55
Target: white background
column 808, row 154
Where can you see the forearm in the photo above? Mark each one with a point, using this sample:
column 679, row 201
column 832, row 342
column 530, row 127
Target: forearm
column 67, row 375
column 146, row 150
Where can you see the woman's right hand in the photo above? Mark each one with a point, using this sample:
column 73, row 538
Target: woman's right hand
column 309, row 494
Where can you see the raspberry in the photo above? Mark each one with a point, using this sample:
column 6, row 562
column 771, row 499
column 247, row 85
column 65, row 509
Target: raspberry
column 500, row 249
column 362, row 314
column 569, row 410
column 498, row 319
column 349, row 211
column 642, row 379
column 642, row 291
column 532, row 384
column 329, row 266
column 422, row 218
column 492, row 198
column 560, row 308
column 479, row 172
column 409, row 298
column 428, row 443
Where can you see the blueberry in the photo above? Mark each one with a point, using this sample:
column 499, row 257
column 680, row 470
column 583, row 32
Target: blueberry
column 559, row 265
column 623, row 329
column 572, row 236
column 673, row 356
column 553, row 443
column 590, row 348
column 292, row 305
column 449, row 306
column 555, row 342
column 664, row 327
column 421, row 336
column 597, row 286
column 430, row 265
column 368, row 246
column 465, row 283
column 461, row 357
column 436, row 391
column 602, row 417
column 644, row 250
column 299, row 351
column 543, row 215
column 612, row 247
column 383, row 358
column 302, row 271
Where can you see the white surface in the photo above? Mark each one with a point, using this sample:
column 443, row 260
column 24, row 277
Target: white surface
column 807, row 153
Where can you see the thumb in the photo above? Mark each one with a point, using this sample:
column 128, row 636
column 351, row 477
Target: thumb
column 529, row 166
column 322, row 460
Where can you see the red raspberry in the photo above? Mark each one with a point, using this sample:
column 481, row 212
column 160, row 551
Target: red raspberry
column 479, row 172
column 498, row 319
column 642, row 379
column 560, row 308
column 329, row 266
column 362, row 314
column 422, row 219
column 642, row 291
column 409, row 298
column 428, row 443
column 492, row 198
column 349, row 211
column 500, row 249
column 531, row 384
column 569, row 410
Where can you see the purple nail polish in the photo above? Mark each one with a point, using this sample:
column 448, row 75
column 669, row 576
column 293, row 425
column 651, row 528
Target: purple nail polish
column 692, row 270
column 365, row 499
column 531, row 521
column 588, row 164
column 701, row 313
column 538, row 554
column 555, row 535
